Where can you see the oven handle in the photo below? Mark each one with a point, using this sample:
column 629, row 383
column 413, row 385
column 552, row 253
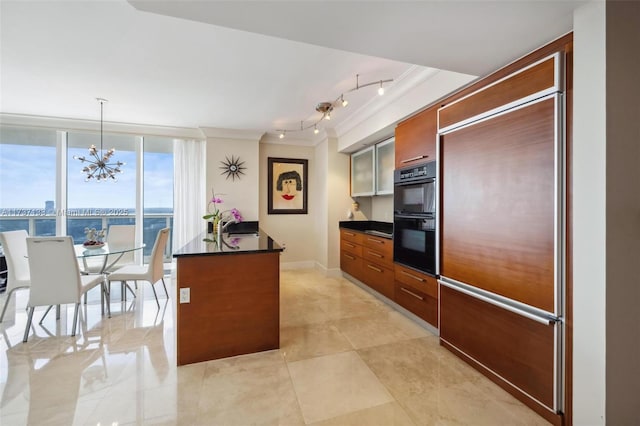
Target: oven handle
column 415, row 181
column 414, row 216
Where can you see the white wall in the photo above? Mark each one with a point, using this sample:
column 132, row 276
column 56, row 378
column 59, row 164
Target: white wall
column 295, row 231
column 589, row 215
column 240, row 193
column 382, row 208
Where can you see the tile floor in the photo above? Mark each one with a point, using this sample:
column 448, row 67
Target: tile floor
column 345, row 359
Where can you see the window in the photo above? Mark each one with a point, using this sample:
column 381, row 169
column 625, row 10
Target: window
column 27, row 180
column 31, row 157
column 158, row 191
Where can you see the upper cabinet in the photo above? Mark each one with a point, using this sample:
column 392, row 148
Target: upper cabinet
column 372, row 170
column 384, row 167
column 416, row 139
column 363, row 172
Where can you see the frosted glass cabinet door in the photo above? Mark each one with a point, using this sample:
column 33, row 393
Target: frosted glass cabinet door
column 362, row 173
column 385, row 162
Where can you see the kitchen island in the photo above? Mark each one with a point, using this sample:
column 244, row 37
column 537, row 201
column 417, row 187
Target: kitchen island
column 228, row 295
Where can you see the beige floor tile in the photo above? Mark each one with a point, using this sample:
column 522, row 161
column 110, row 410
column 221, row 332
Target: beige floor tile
column 242, row 363
column 379, row 329
column 259, row 396
column 335, row 385
column 308, row 341
column 389, row 414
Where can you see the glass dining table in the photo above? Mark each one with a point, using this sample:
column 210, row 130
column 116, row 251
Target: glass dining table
column 106, row 256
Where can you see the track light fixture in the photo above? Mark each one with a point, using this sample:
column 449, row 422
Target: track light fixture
column 325, row 108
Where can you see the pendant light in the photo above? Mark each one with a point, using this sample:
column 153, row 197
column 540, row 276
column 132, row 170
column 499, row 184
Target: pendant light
column 99, row 167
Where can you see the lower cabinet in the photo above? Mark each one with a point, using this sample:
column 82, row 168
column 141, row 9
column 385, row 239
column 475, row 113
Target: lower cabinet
column 378, row 278
column 417, row 293
column 369, row 259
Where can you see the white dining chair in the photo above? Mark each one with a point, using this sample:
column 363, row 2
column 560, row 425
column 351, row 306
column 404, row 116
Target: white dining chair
column 56, row 278
column 152, row 272
column 14, row 244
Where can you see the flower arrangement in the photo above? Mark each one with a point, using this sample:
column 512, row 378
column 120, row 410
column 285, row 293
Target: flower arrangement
column 94, row 237
column 215, row 215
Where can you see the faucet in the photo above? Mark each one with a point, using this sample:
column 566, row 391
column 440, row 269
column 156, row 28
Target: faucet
column 223, row 225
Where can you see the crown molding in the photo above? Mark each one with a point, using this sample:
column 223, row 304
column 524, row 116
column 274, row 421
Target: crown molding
column 69, row 124
column 217, row 132
column 411, row 78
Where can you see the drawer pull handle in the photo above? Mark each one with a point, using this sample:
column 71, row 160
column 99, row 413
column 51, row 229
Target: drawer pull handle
column 417, row 296
column 373, row 253
column 374, row 268
column 419, row 157
column 349, row 245
column 351, row 234
column 375, row 241
column 349, row 257
column 413, row 276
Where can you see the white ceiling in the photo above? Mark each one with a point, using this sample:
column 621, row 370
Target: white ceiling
column 258, row 66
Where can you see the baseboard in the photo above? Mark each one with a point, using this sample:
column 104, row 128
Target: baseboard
column 329, row 273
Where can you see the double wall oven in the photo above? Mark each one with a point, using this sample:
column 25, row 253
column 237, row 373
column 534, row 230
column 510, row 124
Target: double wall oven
column 414, row 218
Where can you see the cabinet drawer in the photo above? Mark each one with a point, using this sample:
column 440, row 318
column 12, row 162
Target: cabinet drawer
column 349, row 247
column 377, row 243
column 382, row 254
column 378, row 278
column 351, row 264
column 425, row 283
column 352, row 236
column 414, row 300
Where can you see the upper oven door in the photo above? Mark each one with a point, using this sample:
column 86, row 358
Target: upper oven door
column 415, row 197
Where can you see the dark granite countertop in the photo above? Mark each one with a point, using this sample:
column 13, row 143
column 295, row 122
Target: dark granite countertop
column 206, row 245
column 380, row 229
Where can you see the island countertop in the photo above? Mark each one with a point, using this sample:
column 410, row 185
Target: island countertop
column 207, row 245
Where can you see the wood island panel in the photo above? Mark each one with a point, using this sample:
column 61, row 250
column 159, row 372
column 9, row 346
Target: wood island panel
column 234, row 308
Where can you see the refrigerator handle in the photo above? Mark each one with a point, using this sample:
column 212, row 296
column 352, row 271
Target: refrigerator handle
column 542, row 319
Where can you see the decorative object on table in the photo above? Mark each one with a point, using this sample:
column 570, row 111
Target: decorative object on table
column 99, row 167
column 94, row 239
column 287, row 186
column 216, row 218
column 232, row 168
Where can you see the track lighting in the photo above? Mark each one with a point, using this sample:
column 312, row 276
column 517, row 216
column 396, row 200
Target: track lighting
column 325, row 108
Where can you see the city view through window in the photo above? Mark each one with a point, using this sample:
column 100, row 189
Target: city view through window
column 28, row 161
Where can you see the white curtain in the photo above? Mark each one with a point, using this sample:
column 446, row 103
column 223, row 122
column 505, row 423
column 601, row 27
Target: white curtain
column 189, row 192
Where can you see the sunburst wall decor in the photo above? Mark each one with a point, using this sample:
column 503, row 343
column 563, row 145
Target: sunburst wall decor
column 232, row 168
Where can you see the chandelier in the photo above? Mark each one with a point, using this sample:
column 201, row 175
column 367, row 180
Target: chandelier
column 99, row 167
column 326, row 108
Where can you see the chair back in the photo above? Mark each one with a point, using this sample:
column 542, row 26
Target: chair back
column 14, row 244
column 55, row 276
column 156, row 263
column 122, row 237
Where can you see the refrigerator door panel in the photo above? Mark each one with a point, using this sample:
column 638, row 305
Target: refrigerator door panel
column 521, row 351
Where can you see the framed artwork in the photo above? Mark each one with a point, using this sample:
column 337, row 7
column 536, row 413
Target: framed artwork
column 287, row 186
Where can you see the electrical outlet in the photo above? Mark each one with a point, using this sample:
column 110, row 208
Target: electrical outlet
column 185, row 295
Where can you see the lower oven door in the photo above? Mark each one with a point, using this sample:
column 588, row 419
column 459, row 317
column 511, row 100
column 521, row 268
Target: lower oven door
column 414, row 241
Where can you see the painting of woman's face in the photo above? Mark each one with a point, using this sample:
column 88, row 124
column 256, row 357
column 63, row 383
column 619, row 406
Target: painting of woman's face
column 287, row 185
